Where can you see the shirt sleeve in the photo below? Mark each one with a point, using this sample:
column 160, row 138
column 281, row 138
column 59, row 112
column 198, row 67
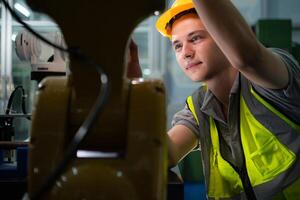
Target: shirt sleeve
column 293, row 68
column 287, row 99
column 186, row 118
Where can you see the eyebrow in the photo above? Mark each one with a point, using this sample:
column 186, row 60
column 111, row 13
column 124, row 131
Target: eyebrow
column 190, row 34
column 175, row 42
column 196, row 31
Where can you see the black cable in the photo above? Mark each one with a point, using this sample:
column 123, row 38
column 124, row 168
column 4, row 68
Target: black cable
column 80, row 135
column 89, row 122
column 12, row 97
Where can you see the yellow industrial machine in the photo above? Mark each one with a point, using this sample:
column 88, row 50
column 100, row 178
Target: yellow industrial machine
column 125, row 155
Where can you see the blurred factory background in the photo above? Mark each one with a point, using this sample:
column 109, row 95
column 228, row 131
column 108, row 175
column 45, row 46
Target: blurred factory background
column 276, row 22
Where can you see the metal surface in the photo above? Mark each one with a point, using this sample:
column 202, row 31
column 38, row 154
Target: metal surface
column 48, row 132
column 101, row 30
column 132, row 124
column 142, row 172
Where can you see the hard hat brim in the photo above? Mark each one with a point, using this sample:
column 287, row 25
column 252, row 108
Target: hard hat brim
column 168, row 15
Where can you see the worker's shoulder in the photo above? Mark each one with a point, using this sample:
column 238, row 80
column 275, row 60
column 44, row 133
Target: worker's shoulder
column 287, row 57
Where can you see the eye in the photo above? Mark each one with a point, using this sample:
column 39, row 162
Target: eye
column 196, row 38
column 177, row 47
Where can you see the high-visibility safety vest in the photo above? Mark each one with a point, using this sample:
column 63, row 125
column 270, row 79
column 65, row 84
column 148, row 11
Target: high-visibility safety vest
column 270, row 143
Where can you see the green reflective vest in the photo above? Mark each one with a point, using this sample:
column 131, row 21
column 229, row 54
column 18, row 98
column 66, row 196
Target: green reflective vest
column 270, row 143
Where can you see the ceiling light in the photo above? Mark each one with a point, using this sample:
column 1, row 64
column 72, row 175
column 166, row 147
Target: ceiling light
column 24, row 11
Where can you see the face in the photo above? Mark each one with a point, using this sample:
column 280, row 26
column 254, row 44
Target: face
column 196, row 52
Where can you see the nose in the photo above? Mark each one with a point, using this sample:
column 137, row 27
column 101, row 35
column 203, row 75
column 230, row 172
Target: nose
column 188, row 51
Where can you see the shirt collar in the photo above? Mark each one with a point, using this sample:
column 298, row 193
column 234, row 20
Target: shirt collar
column 212, row 106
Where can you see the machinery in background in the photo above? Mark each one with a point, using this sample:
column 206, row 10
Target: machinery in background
column 124, row 155
column 44, row 59
column 277, row 33
column 13, row 154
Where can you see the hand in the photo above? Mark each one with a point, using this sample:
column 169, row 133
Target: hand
column 133, row 65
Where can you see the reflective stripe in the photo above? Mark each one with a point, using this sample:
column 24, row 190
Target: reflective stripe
column 192, row 108
column 265, row 156
column 276, row 112
column 224, row 181
column 269, row 148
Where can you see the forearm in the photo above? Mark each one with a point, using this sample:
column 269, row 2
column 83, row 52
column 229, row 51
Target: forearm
column 173, row 158
column 229, row 30
column 181, row 141
column 239, row 44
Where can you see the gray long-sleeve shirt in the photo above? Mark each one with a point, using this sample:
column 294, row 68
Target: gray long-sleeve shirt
column 286, row 100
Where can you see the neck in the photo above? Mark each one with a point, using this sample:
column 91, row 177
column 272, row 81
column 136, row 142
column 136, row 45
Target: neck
column 221, row 85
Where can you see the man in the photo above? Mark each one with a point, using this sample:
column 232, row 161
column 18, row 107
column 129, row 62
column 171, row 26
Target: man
column 245, row 118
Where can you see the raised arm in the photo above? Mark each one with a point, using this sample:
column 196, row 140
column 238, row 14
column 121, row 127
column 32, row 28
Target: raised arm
column 181, row 141
column 236, row 40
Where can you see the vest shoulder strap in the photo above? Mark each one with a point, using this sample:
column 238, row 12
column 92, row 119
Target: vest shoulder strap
column 194, row 102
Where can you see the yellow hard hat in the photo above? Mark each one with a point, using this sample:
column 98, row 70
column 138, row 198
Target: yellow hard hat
column 177, row 7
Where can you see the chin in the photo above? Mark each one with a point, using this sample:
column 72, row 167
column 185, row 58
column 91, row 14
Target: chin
column 196, row 78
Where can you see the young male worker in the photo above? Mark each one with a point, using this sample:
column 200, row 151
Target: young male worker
column 246, row 117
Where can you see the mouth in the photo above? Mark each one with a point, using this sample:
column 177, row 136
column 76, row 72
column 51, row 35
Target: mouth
column 192, row 65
